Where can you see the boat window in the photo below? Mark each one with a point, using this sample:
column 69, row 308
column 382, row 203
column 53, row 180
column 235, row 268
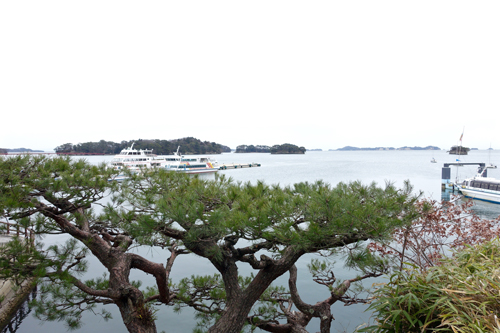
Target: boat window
column 484, row 185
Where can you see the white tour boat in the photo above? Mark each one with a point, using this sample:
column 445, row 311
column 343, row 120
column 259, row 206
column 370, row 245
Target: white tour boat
column 191, row 165
column 136, row 160
column 482, row 188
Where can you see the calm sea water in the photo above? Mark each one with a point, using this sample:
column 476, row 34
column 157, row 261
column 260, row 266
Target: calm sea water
column 330, row 166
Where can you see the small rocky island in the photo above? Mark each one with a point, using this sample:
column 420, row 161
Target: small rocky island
column 459, row 150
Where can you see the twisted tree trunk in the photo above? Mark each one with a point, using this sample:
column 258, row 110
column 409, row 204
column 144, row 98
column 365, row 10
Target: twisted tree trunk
column 240, row 302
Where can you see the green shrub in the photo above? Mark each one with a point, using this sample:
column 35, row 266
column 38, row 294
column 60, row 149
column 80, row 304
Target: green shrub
column 460, row 295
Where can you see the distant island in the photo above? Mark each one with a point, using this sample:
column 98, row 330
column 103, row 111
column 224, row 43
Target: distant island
column 188, row 146
column 459, row 150
column 4, row 151
column 253, row 149
column 350, row 148
column 286, row 148
column 191, row 146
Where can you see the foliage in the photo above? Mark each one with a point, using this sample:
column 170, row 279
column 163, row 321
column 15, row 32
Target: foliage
column 265, row 227
column 285, row 311
column 56, row 196
column 228, row 223
column 162, row 147
column 422, row 257
column 460, row 295
column 440, row 228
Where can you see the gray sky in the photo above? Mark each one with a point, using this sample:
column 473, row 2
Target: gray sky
column 319, row 74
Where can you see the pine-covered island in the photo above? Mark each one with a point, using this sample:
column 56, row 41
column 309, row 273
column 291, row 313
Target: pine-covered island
column 285, row 148
column 188, row 146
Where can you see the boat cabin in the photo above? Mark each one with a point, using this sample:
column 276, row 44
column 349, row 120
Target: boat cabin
column 147, row 152
column 485, row 184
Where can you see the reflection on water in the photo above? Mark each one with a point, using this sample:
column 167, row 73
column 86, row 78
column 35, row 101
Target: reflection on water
column 21, row 314
column 485, row 209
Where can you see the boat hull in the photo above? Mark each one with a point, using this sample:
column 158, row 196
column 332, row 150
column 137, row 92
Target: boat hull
column 478, row 194
column 212, row 170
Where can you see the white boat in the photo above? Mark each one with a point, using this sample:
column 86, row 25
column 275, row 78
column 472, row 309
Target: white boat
column 136, row 160
column 481, row 188
column 191, row 165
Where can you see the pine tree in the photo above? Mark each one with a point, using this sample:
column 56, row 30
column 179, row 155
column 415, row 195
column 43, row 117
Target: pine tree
column 267, row 227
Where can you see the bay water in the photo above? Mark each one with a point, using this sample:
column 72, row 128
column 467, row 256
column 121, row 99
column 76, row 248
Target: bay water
column 330, row 166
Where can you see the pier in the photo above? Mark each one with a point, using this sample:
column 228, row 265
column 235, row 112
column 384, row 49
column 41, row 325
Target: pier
column 238, row 166
column 446, row 183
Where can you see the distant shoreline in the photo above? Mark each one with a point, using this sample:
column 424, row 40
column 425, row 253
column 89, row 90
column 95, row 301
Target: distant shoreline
column 6, row 151
column 350, row 148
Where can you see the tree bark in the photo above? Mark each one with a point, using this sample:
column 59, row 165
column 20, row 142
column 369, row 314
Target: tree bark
column 111, row 252
column 240, row 302
column 135, row 317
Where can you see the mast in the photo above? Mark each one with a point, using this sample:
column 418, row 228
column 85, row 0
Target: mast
column 179, row 157
column 459, row 152
column 460, row 145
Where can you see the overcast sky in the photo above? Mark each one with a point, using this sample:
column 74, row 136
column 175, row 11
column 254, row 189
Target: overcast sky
column 318, row 74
